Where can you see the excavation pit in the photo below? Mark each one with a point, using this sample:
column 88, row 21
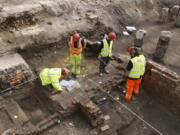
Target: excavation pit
column 5, row 120
column 98, row 108
column 36, row 104
column 33, row 109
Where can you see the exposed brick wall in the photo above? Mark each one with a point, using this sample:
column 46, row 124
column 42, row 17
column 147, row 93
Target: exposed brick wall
column 164, row 85
column 92, row 112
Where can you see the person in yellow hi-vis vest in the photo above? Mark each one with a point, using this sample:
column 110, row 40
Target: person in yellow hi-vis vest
column 134, row 71
column 76, row 44
column 106, row 52
column 51, row 76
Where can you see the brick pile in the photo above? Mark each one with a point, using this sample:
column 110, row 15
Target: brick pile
column 92, row 112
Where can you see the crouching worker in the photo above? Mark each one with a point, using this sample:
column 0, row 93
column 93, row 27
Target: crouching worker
column 135, row 71
column 51, row 77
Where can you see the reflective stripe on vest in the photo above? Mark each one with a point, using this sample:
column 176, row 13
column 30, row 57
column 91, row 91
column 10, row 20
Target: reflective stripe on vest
column 143, row 68
column 54, row 71
column 50, row 75
column 54, row 75
column 107, row 49
column 138, row 67
column 74, row 50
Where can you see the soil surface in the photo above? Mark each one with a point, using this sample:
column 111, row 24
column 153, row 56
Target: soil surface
column 38, row 30
column 143, row 105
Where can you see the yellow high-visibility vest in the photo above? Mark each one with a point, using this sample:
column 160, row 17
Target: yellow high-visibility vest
column 139, row 63
column 107, row 49
column 51, row 76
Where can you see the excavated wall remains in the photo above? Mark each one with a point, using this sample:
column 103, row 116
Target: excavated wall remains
column 164, row 85
column 44, row 24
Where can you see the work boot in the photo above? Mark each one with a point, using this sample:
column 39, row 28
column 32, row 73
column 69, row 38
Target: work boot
column 100, row 74
column 106, row 72
column 136, row 92
column 127, row 98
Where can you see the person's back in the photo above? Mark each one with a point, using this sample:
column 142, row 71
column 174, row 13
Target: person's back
column 45, row 80
column 135, row 71
column 51, row 76
column 138, row 68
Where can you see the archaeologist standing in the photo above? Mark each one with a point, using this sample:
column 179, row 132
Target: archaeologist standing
column 106, row 46
column 51, row 76
column 76, row 44
column 134, row 71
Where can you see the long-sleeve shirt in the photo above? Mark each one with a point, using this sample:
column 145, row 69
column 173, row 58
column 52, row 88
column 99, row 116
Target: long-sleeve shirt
column 102, row 44
column 51, row 76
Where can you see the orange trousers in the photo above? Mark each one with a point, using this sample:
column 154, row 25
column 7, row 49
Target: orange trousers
column 132, row 86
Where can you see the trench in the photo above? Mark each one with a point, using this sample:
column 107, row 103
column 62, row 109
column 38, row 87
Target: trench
column 144, row 105
column 35, row 102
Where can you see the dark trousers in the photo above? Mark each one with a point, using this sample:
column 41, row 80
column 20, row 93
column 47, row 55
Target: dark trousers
column 103, row 63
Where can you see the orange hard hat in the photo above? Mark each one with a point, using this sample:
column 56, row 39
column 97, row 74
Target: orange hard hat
column 132, row 49
column 76, row 36
column 65, row 71
column 112, row 35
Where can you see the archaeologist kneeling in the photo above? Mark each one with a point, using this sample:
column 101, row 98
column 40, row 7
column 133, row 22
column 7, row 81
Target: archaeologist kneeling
column 51, row 76
column 135, row 71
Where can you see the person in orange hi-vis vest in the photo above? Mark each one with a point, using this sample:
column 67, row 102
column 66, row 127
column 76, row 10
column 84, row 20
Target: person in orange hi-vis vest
column 76, row 45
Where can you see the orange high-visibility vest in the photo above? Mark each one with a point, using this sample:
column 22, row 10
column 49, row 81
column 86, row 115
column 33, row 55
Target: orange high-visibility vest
column 74, row 50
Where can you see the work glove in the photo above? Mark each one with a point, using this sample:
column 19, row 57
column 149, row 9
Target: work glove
column 98, row 42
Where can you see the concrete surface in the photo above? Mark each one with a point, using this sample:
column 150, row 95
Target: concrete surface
column 11, row 60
